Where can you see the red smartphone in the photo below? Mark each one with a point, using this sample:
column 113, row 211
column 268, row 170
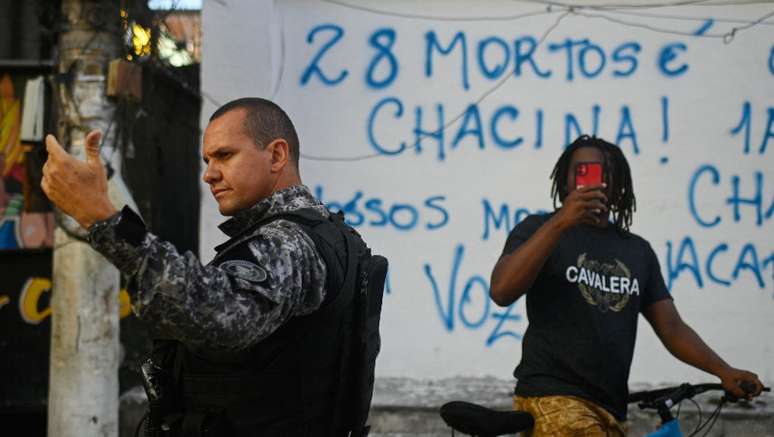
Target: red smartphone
column 588, row 173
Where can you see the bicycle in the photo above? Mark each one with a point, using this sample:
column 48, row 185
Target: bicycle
column 480, row 421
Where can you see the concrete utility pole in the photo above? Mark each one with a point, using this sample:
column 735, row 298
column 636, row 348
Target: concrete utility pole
column 83, row 389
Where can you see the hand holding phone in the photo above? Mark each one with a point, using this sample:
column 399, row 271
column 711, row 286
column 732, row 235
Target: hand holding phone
column 588, row 174
column 587, row 203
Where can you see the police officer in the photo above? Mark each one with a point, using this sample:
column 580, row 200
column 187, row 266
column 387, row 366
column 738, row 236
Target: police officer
column 249, row 344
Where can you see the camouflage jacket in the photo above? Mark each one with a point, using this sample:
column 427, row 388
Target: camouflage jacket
column 257, row 282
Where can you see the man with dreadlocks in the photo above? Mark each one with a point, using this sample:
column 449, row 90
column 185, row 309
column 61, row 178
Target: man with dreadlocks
column 587, row 277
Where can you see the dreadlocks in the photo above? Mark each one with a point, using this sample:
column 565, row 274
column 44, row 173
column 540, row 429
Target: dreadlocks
column 622, row 202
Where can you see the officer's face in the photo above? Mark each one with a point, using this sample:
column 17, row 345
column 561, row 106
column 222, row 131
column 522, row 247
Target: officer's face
column 239, row 172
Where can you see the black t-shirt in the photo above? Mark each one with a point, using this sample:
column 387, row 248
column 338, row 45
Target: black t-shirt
column 582, row 311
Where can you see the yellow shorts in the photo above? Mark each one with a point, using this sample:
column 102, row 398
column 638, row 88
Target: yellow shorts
column 568, row 416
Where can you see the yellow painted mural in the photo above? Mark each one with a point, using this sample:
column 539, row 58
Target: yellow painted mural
column 33, row 290
column 19, row 228
column 10, row 126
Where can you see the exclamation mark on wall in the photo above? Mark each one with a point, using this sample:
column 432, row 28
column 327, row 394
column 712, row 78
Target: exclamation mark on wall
column 664, row 125
column 539, row 129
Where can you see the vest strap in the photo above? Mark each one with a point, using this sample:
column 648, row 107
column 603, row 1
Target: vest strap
column 295, row 382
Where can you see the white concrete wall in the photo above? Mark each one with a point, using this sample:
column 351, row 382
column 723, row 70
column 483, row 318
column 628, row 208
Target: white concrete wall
column 237, row 61
column 442, row 243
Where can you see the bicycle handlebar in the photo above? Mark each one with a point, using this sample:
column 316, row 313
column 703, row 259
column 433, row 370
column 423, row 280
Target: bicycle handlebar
column 681, row 392
column 677, row 394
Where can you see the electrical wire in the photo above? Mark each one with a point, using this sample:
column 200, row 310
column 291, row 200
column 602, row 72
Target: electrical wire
column 727, row 37
column 736, row 30
column 645, row 26
column 631, row 5
column 434, row 17
column 684, row 18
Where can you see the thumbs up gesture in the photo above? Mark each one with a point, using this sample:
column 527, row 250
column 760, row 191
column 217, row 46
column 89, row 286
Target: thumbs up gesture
column 78, row 188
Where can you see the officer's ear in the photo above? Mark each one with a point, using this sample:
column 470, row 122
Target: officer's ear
column 280, row 154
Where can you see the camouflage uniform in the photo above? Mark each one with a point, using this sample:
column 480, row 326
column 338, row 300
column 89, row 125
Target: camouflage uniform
column 258, row 281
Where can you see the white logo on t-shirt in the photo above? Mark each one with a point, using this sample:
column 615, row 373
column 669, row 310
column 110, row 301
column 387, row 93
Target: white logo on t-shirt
column 608, row 286
column 606, row 283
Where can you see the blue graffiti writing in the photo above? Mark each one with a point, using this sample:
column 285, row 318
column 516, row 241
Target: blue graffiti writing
column 580, row 58
column 525, row 55
column 708, row 176
column 436, row 133
column 665, row 119
column 432, row 45
column 769, row 133
column 626, row 53
column 715, row 174
column 482, row 130
column 625, row 132
column 502, row 318
column 382, row 40
column 313, row 69
column 668, row 56
column 397, row 113
column 771, row 60
column 491, row 57
column 704, row 27
column 504, row 218
column 585, row 47
column 568, row 45
column 470, row 126
column 721, row 266
column 583, row 57
column 504, row 55
column 512, row 114
column 472, row 308
column 745, row 125
column 360, row 211
column 736, row 201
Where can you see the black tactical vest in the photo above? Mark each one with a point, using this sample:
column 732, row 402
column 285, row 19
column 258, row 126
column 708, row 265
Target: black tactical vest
column 294, row 382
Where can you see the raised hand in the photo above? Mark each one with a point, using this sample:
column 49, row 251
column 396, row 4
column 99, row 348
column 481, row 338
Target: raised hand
column 585, row 205
column 78, row 188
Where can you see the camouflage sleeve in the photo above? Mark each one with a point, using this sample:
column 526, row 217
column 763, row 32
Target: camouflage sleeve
column 218, row 306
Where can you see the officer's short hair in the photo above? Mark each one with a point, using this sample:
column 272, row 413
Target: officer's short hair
column 265, row 121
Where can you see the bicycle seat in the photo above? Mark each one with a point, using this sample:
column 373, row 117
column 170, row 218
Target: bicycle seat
column 477, row 420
